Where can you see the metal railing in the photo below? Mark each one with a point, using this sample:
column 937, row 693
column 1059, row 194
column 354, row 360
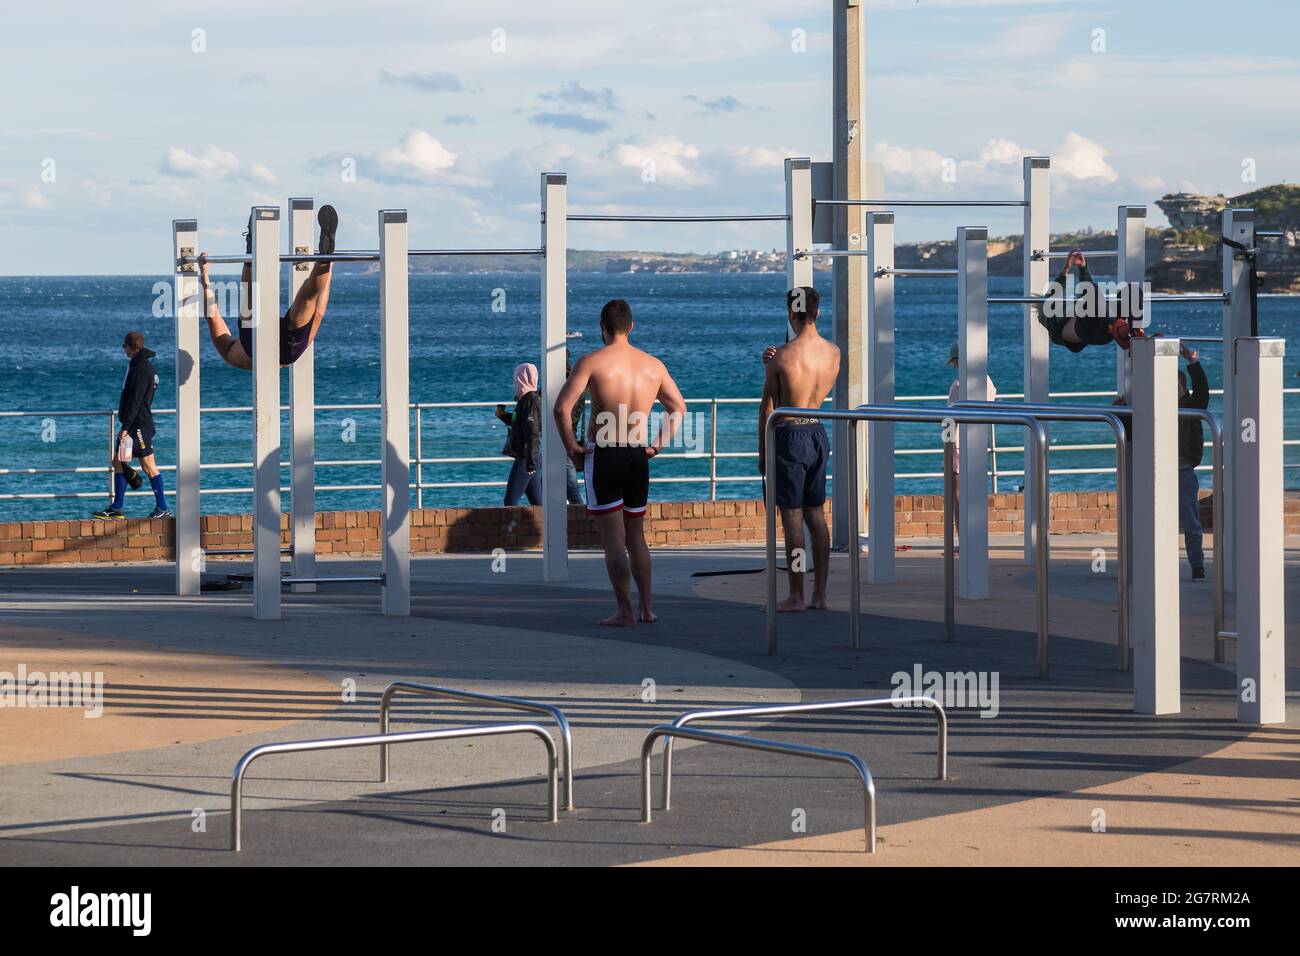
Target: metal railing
column 419, row 486
column 771, row 746
column 384, row 740
column 826, row 706
column 495, row 700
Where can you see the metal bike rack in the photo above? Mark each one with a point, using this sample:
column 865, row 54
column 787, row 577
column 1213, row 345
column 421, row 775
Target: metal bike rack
column 771, row 746
column 940, row 714
column 1048, row 412
column 1037, row 440
column 496, row 700
column 383, row 740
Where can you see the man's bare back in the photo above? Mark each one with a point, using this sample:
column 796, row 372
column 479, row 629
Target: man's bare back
column 803, row 370
column 624, row 383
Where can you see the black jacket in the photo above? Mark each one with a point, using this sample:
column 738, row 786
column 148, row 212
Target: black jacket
column 133, row 409
column 1191, row 438
column 526, row 429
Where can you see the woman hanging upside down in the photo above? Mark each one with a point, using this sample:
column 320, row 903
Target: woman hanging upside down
column 1088, row 318
column 298, row 326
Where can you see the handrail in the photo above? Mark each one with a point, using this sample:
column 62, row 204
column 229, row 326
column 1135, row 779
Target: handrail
column 771, row 746
column 940, row 714
column 891, row 413
column 383, row 740
column 496, row 700
column 1082, row 413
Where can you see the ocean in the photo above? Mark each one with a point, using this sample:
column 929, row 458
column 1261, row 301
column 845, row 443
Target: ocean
column 60, row 341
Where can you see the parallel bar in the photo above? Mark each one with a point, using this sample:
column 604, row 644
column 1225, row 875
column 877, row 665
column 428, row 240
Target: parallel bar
column 911, row 273
column 364, row 255
column 940, row 203
column 495, row 700
column 831, row 253
column 585, row 217
column 821, row 707
column 302, row 415
column 771, row 746
column 395, row 426
column 385, row 740
column 265, row 318
column 1088, row 253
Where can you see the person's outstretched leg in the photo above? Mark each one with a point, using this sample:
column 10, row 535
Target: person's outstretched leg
column 313, row 296
column 614, row 540
column 815, row 519
column 228, row 346
column 796, row 556
column 638, row 553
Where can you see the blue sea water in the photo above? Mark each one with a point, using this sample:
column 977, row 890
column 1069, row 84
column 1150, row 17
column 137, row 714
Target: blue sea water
column 60, row 350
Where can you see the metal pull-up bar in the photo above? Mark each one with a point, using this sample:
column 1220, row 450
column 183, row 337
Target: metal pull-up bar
column 615, row 217
column 915, row 273
column 364, row 255
column 935, row 203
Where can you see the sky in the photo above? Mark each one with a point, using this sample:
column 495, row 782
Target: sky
column 120, row 117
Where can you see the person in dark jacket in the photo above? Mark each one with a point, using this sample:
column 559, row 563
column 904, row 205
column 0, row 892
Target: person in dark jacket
column 573, row 490
column 136, row 429
column 1191, row 448
column 1086, row 320
column 524, row 442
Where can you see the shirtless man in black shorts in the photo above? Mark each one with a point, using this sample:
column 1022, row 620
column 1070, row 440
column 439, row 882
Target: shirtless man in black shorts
column 624, row 383
column 800, row 374
column 298, row 326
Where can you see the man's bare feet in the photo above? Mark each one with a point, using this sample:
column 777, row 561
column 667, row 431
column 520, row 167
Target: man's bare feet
column 647, row 616
column 818, row 602
column 793, row 603
column 619, row 619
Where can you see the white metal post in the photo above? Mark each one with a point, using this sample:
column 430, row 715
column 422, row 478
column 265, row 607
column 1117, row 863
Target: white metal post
column 302, row 416
column 1239, row 226
column 1154, row 458
column 265, row 318
column 395, row 397
column 880, row 391
column 1256, row 431
column 1131, row 267
column 187, row 306
column 554, row 294
column 848, row 138
column 1036, row 171
column 973, row 347
column 798, row 226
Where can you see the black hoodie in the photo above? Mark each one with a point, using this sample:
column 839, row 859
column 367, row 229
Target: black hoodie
column 133, row 410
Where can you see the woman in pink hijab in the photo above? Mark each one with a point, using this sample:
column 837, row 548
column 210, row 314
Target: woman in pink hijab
column 524, row 442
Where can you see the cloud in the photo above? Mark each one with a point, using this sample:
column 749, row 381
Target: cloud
column 673, row 162
column 1082, row 158
column 33, row 198
column 254, row 80
column 419, row 159
column 419, row 154
column 424, row 82
column 719, row 104
column 214, row 163
column 574, row 93
column 573, row 121
column 460, row 119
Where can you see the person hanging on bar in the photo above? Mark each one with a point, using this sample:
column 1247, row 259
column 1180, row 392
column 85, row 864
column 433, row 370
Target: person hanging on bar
column 800, row 374
column 298, row 326
column 1078, row 314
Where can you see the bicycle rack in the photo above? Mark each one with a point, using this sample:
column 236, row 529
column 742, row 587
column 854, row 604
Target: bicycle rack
column 772, row 746
column 383, row 740
column 941, row 718
column 511, row 703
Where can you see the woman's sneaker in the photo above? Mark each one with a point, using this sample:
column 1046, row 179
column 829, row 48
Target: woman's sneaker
column 109, row 512
column 160, row 513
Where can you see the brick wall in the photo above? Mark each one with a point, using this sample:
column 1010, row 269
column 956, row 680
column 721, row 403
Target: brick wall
column 481, row 529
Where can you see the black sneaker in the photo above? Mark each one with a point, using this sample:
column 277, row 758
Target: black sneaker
column 328, row 219
column 160, row 513
column 109, row 512
column 1198, row 574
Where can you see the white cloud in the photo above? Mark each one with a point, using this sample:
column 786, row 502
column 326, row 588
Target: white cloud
column 1081, row 158
column 213, row 163
column 33, row 198
column 674, row 162
column 419, row 154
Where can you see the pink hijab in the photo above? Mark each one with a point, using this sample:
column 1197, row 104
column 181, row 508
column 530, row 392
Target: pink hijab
column 525, row 379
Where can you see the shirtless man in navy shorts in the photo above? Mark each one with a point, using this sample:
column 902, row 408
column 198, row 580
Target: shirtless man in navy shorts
column 800, row 374
column 624, row 383
column 298, row 326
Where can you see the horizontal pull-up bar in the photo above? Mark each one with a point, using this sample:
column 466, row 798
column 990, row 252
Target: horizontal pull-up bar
column 809, row 253
column 584, row 217
column 1220, row 297
column 938, row 203
column 364, row 255
column 1087, row 253
column 1269, row 234
column 908, row 273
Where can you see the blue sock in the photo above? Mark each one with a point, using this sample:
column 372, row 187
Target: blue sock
column 156, row 484
column 119, row 490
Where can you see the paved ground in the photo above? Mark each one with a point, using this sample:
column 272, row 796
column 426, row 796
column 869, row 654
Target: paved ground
column 193, row 683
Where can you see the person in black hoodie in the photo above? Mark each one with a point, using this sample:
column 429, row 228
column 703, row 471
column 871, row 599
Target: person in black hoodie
column 136, row 429
column 524, row 442
column 1086, row 320
column 1191, row 448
